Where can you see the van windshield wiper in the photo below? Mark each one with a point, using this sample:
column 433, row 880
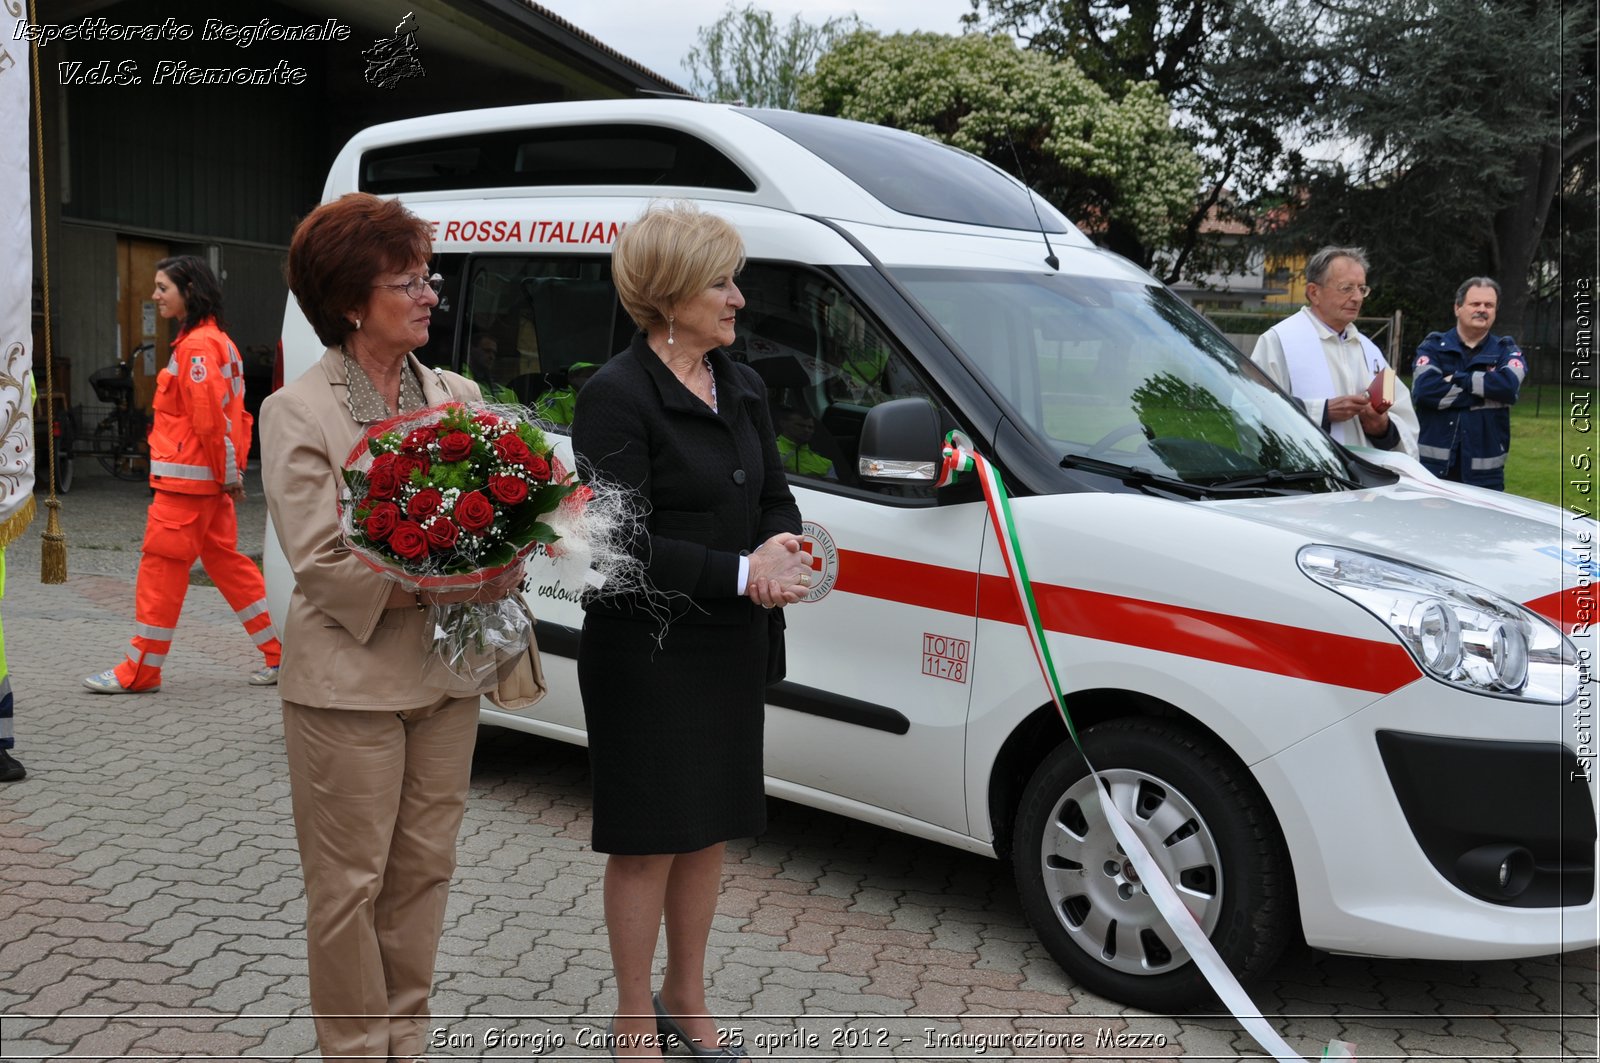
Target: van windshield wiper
column 1138, row 475
column 1277, row 477
column 1133, row 474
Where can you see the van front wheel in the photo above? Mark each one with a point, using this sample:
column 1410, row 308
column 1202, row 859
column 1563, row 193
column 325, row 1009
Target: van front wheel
column 1207, row 826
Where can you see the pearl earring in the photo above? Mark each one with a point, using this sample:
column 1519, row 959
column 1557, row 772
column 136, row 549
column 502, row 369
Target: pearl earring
column 358, row 324
column 670, row 325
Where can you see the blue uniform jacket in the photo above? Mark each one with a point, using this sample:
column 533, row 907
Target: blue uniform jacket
column 1463, row 401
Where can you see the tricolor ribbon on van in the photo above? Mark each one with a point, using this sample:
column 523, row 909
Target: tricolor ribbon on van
column 959, row 459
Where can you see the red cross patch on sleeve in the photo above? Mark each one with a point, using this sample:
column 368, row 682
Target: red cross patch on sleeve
column 197, row 368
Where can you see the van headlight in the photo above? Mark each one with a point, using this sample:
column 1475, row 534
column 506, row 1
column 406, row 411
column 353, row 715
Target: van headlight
column 1460, row 634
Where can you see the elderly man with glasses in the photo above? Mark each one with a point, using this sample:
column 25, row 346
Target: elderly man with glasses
column 1322, row 359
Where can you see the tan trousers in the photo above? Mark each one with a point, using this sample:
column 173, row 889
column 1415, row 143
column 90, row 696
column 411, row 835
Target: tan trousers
column 378, row 799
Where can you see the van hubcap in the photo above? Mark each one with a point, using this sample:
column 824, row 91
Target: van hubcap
column 1094, row 887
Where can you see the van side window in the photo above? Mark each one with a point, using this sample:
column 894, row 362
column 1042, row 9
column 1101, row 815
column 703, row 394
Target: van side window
column 624, row 153
column 825, row 363
column 529, row 319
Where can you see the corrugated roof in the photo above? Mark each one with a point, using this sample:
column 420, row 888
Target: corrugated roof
column 600, row 46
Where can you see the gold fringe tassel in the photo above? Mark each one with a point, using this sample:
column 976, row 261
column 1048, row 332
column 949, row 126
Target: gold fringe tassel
column 13, row 526
column 53, row 547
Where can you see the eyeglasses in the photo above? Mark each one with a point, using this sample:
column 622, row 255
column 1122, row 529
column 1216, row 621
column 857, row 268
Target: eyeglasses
column 416, row 285
column 1345, row 290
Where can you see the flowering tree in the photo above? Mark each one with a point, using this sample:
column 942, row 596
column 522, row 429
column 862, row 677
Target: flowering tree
column 1114, row 166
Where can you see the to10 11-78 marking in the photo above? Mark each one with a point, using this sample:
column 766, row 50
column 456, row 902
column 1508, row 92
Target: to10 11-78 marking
column 945, row 657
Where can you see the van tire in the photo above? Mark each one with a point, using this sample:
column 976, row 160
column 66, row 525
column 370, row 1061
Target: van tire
column 1218, row 825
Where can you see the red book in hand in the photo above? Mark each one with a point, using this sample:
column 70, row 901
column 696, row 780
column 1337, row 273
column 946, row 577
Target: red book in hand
column 1381, row 391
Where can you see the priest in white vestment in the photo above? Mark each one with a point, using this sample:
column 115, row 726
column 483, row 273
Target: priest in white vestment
column 1322, row 359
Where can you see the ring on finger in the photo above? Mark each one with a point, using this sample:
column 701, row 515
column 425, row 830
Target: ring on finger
column 805, row 579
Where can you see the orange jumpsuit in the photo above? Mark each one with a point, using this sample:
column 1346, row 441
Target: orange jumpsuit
column 199, row 441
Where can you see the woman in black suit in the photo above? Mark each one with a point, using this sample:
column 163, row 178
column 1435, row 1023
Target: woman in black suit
column 672, row 679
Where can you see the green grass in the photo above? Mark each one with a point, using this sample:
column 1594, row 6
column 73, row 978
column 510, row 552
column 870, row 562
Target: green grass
column 1544, row 438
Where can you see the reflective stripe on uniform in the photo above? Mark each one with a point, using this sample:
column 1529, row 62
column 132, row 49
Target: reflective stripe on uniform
column 251, row 611
column 150, row 631
column 265, row 635
column 149, row 660
column 1436, row 453
column 181, row 472
column 1477, row 384
column 1489, row 463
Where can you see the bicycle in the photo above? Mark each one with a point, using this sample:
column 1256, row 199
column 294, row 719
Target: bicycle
column 118, row 441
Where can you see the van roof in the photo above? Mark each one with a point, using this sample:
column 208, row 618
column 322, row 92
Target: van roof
column 802, row 163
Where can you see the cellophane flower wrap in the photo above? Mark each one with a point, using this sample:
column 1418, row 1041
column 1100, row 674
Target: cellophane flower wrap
column 447, row 499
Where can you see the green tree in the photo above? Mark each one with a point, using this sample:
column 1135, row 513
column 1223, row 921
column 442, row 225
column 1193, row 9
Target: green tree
column 1454, row 126
column 746, row 56
column 1113, row 165
column 1187, row 50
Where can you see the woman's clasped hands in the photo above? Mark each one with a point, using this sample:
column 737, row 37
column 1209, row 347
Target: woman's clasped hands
column 780, row 571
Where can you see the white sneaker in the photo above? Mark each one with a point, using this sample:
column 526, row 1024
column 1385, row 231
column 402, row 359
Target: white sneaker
column 265, row 677
column 107, row 683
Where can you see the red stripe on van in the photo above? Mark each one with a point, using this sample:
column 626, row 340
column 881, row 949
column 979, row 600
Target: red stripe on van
column 1567, row 609
column 1318, row 656
column 908, row 582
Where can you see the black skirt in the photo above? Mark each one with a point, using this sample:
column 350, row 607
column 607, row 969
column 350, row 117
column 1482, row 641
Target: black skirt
column 675, row 732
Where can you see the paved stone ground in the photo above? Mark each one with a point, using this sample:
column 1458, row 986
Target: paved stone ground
column 150, row 895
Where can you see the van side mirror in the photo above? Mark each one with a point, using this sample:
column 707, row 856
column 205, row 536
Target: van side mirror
column 901, row 443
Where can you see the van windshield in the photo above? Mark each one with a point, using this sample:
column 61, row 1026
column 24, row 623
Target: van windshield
column 1123, row 373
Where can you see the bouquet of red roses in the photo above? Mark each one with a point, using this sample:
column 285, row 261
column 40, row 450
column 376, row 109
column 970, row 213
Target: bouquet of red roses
column 449, row 498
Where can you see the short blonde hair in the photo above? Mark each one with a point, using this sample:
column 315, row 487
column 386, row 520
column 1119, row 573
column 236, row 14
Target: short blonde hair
column 671, row 253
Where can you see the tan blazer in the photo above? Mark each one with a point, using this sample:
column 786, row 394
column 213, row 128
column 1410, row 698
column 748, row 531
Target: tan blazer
column 341, row 647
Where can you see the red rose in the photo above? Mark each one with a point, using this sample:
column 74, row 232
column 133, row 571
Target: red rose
column 381, row 521
column 442, row 534
column 424, row 504
column 408, row 541
column 474, row 512
column 508, row 490
column 486, row 419
column 512, row 449
column 385, row 460
column 419, row 438
column 537, row 467
column 406, row 464
column 382, row 483
column 455, row 446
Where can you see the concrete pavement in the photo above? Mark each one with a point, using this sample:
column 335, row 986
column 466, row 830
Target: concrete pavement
column 151, row 908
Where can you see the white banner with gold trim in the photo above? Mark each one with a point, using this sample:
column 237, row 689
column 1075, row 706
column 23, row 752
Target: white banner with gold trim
column 16, row 282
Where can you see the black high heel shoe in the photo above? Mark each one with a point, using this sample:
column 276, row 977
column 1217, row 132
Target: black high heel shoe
column 666, row 1024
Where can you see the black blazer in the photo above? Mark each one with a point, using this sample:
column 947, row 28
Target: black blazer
column 713, row 482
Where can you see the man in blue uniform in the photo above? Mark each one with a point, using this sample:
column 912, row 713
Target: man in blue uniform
column 1464, row 382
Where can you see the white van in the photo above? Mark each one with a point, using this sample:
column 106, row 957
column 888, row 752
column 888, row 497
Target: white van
column 1338, row 698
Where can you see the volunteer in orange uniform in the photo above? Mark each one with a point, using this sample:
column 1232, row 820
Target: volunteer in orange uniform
column 199, row 441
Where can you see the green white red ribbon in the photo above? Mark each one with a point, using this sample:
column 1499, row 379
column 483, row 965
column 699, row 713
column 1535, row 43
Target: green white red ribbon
column 960, row 459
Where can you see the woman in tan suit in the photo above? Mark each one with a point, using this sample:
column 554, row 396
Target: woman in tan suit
column 379, row 733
